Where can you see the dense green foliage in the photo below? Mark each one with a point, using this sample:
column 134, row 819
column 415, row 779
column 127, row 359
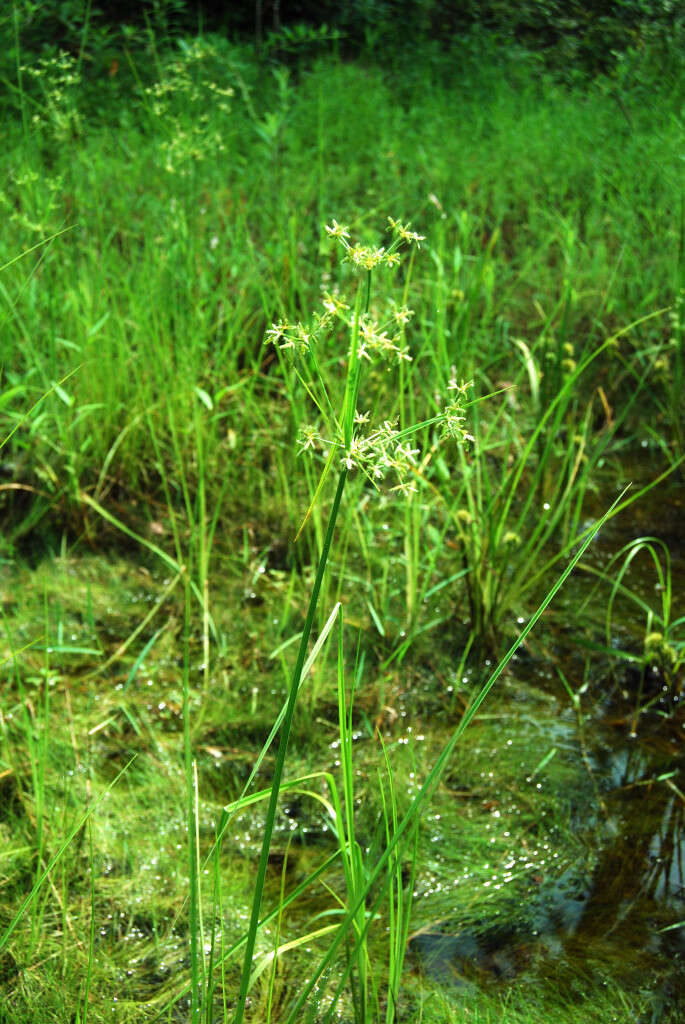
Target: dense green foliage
column 578, row 38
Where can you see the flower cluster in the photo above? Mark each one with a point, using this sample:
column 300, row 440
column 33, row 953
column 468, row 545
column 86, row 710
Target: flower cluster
column 385, row 449
column 374, row 340
column 375, row 454
column 367, row 257
column 454, row 411
column 59, row 79
column 402, row 232
column 182, row 100
column 38, row 211
column 298, row 337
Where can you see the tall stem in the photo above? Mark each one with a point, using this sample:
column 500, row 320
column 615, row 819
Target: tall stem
column 282, row 749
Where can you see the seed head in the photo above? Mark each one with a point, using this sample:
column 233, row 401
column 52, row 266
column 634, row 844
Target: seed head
column 336, row 230
column 402, row 232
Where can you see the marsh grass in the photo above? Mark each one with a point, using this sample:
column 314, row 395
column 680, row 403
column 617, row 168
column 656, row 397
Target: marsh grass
column 184, row 304
column 193, row 213
column 645, row 634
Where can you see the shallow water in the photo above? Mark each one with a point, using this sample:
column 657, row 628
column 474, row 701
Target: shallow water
column 552, row 857
column 610, row 920
column 618, row 914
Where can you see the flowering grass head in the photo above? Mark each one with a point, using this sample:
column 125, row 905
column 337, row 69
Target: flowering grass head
column 368, row 257
column 345, row 434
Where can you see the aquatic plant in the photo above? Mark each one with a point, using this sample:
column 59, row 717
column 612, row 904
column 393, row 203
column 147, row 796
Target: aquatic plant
column 373, row 452
column 655, row 634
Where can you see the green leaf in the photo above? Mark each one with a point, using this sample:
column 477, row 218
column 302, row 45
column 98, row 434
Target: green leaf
column 204, row 398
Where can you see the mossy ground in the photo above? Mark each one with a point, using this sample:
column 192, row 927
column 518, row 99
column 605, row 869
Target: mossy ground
column 517, row 807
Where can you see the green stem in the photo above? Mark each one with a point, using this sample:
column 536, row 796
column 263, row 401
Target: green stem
column 193, row 866
column 427, row 790
column 282, row 749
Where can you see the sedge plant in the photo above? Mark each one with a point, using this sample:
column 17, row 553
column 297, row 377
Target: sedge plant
column 655, row 634
column 375, row 970
column 518, row 509
column 381, row 873
column 352, row 445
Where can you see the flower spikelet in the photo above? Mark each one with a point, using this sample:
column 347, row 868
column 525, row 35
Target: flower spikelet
column 336, row 230
column 401, row 231
column 454, row 414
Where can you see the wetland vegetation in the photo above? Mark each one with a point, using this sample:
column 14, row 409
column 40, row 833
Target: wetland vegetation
column 343, row 543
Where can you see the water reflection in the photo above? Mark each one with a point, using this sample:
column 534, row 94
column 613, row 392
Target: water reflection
column 623, row 921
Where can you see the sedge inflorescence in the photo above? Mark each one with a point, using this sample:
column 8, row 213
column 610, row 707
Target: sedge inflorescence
column 385, row 448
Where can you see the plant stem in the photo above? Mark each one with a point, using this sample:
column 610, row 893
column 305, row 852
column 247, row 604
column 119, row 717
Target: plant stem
column 282, row 749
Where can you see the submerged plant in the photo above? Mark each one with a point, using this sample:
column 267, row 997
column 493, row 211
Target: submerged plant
column 657, row 637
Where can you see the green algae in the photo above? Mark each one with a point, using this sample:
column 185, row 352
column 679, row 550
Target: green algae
column 548, row 858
